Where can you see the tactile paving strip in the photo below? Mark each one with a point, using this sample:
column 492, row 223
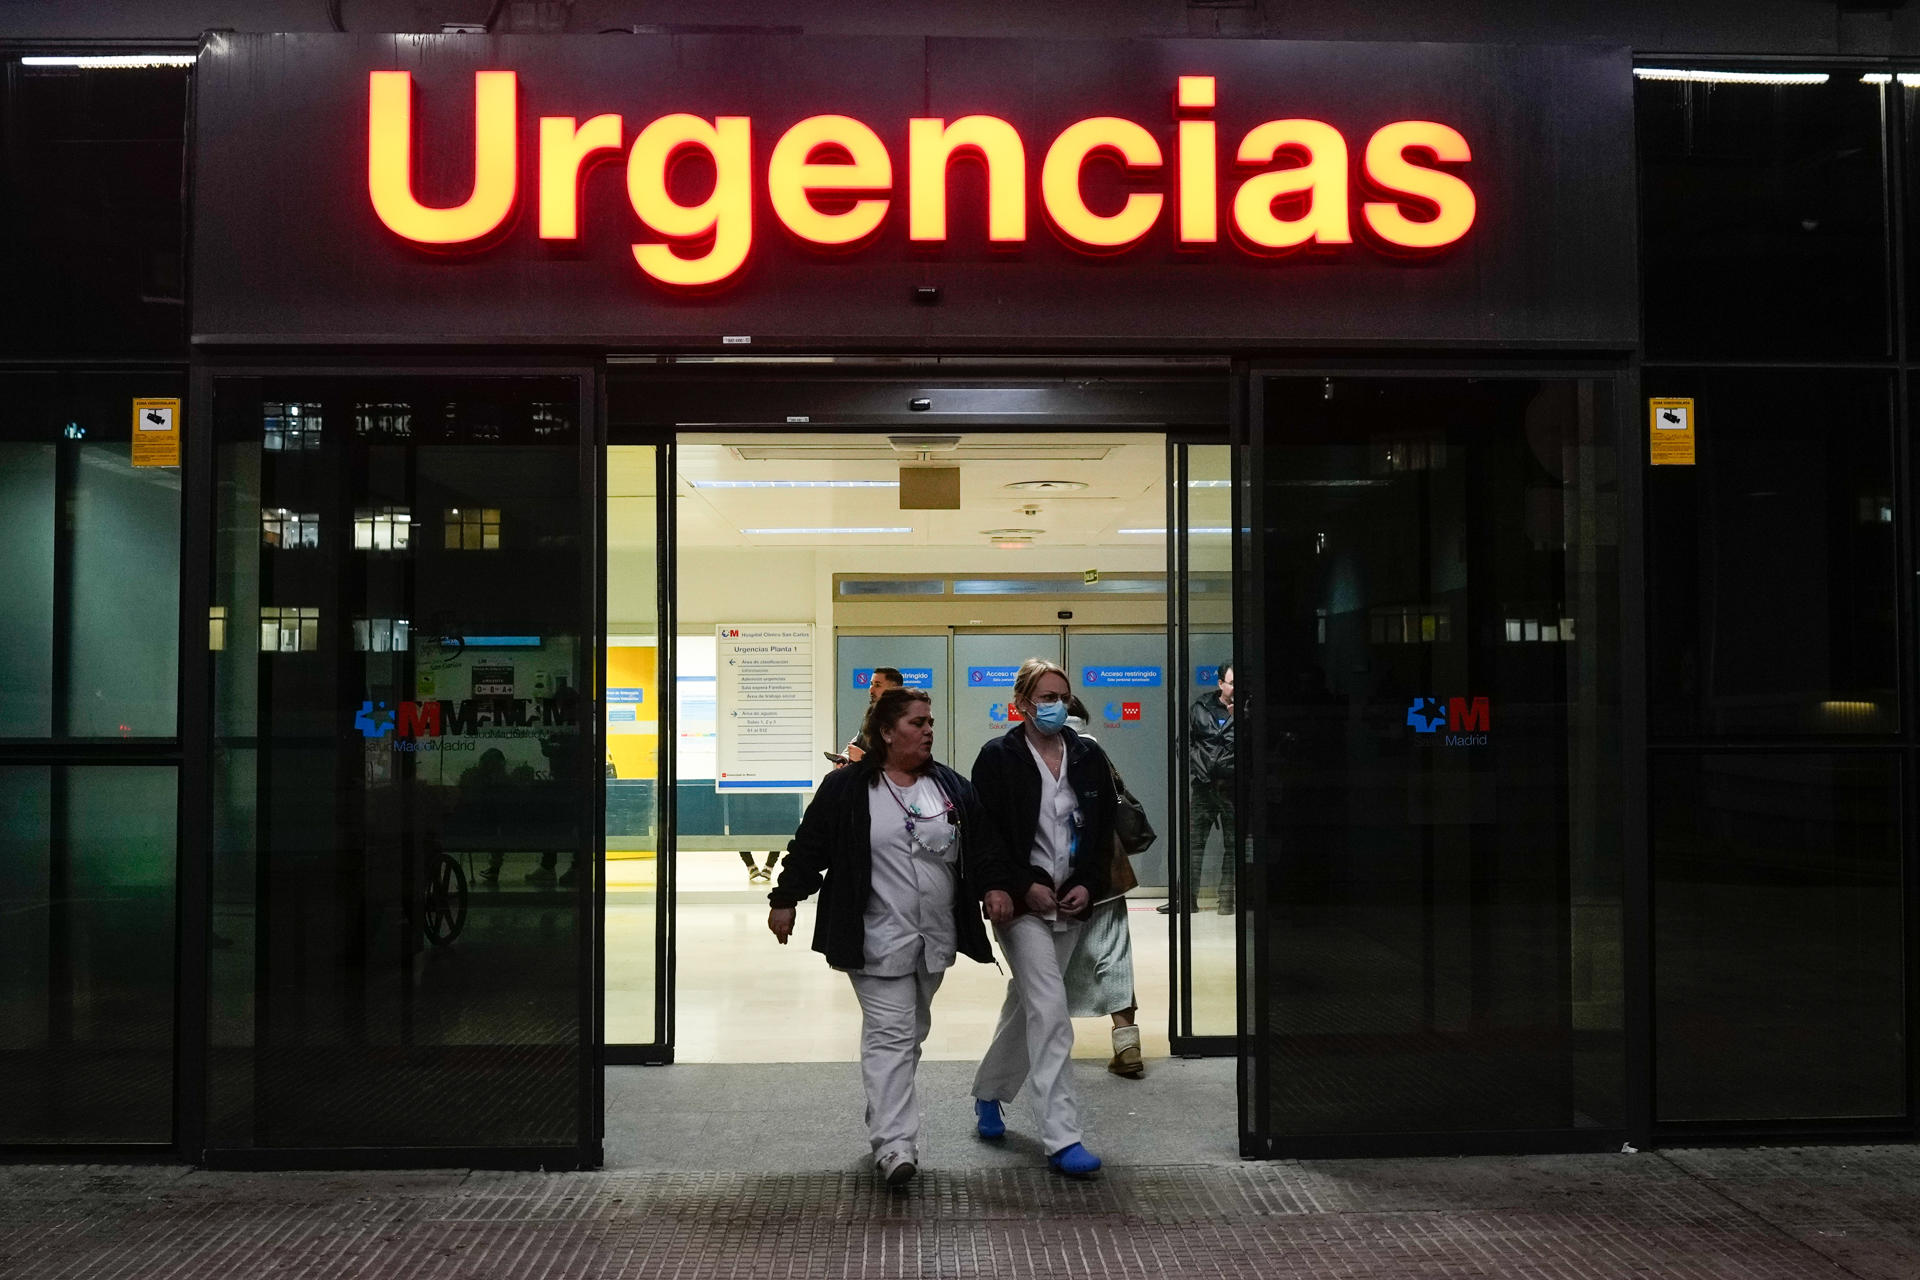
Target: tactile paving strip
column 1794, row 1215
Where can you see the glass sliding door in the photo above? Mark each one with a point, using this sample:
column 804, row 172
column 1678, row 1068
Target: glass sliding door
column 407, row 768
column 1204, row 849
column 1432, row 693
column 639, row 706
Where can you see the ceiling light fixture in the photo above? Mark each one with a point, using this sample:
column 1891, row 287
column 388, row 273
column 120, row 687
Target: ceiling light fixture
column 113, row 61
column 1730, row 77
column 794, row 484
column 829, row 528
column 1012, row 533
column 1908, row 79
column 1198, row 528
column 1044, row 486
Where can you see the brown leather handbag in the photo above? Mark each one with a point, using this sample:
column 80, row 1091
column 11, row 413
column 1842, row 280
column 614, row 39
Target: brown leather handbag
column 1132, row 833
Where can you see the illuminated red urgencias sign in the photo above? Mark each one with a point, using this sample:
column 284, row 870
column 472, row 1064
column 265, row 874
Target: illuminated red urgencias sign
column 1303, row 202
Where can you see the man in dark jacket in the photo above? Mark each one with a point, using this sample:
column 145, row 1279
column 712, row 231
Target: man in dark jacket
column 1210, row 786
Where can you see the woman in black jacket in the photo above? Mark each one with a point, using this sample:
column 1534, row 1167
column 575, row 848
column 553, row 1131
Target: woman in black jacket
column 1050, row 794
column 902, row 855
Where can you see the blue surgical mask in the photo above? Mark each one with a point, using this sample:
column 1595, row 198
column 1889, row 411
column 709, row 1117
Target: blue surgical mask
column 1049, row 717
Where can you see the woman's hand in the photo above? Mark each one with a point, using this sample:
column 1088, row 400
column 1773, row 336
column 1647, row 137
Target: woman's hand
column 1040, row 898
column 780, row 920
column 1074, row 900
column 999, row 906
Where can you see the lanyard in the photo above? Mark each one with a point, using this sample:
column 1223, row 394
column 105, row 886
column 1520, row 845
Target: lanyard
column 912, row 815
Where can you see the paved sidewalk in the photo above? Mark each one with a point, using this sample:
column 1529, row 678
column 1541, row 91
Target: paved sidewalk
column 1789, row 1213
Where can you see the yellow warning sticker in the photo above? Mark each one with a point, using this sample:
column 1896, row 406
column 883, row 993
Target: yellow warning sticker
column 156, row 432
column 1670, row 432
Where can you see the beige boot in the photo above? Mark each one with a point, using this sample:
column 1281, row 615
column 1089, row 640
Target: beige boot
column 1126, row 1053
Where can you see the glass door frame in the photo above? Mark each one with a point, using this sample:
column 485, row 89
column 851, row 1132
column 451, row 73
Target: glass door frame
column 761, row 387
column 1621, row 373
column 1183, row 1041
column 658, row 1051
column 197, row 728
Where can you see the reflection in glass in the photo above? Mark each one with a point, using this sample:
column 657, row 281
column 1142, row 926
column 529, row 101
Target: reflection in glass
column 26, row 565
column 1772, row 578
column 86, row 954
column 1441, row 848
column 401, row 863
column 1763, row 219
column 1777, row 928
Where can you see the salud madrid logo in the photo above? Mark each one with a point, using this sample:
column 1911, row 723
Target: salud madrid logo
column 1462, row 722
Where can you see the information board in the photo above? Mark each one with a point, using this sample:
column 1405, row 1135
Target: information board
column 765, row 687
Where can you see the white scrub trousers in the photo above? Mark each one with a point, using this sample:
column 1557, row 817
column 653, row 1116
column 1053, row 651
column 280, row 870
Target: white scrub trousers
column 1034, row 1041
column 895, row 1015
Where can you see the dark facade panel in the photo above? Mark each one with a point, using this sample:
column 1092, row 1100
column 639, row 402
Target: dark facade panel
column 289, row 247
column 1702, row 26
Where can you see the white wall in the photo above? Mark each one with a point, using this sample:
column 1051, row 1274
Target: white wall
column 757, row 584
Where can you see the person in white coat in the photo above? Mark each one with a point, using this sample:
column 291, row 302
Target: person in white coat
column 904, row 858
column 1050, row 793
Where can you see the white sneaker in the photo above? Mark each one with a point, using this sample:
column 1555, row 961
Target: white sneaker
column 896, row 1167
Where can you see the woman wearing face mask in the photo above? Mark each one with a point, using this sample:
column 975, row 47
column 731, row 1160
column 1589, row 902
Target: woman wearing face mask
column 1049, row 793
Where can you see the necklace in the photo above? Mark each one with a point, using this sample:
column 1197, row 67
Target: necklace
column 932, row 844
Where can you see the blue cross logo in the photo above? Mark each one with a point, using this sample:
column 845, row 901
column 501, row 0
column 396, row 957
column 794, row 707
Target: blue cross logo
column 1426, row 715
column 373, row 722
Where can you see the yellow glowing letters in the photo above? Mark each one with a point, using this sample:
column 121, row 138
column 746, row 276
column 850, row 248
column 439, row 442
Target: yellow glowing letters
column 390, row 160
column 709, row 242
column 1322, row 179
column 931, row 146
column 792, row 176
column 1060, row 182
column 563, row 150
column 1388, row 168
column 726, row 215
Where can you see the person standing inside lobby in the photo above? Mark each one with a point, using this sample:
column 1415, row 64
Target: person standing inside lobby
column 1210, row 774
column 884, row 678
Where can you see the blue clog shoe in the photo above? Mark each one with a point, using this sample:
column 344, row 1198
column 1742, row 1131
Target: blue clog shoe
column 987, row 1120
column 1074, row 1161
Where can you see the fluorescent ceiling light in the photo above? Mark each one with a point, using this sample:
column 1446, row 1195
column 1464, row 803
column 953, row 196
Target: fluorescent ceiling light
column 110, row 61
column 1198, row 528
column 1909, row 79
column 1730, row 77
column 833, row 528
column 1209, row 484
column 795, row 484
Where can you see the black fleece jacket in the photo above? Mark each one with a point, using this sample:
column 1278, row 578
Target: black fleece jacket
column 832, row 853
column 1008, row 779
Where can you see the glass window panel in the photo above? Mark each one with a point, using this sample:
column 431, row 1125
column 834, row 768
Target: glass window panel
column 125, row 647
column 89, row 553
column 403, row 907
column 91, row 213
column 87, row 955
column 26, row 566
column 632, row 709
column 1777, row 943
column 1437, row 824
column 1762, row 219
column 1209, row 849
column 1769, row 598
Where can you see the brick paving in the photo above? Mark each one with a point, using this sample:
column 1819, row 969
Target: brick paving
column 1793, row 1213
